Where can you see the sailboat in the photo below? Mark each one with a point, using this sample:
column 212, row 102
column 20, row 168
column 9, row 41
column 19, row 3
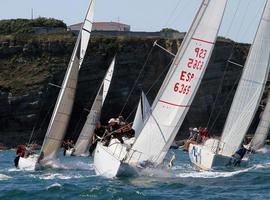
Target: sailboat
column 215, row 153
column 84, row 141
column 171, row 103
column 262, row 130
column 63, row 107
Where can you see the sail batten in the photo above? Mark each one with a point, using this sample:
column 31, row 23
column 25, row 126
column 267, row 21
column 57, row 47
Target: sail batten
column 64, row 104
column 250, row 88
column 180, row 85
column 85, row 138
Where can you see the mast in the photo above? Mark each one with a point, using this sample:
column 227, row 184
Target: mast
column 180, row 85
column 85, row 138
column 250, row 88
column 63, row 108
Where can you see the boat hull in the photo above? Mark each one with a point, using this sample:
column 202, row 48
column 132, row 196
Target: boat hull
column 105, row 163
column 108, row 161
column 206, row 159
column 29, row 164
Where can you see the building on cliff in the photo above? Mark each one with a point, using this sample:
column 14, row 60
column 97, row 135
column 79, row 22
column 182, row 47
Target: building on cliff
column 102, row 26
column 120, row 29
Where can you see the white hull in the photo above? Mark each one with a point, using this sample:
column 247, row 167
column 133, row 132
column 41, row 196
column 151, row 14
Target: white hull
column 206, row 156
column 108, row 161
column 29, row 163
column 105, row 163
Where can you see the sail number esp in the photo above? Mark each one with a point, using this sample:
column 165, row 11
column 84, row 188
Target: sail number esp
column 195, row 63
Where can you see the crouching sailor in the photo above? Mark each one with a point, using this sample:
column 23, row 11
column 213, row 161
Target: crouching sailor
column 238, row 156
column 97, row 136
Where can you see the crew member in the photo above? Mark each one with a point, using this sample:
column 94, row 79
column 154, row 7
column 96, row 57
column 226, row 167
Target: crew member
column 97, row 136
column 20, row 152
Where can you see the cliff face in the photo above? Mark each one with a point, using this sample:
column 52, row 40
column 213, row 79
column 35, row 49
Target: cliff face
column 29, row 63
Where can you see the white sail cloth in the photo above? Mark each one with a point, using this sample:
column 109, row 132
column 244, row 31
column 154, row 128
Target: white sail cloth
column 262, row 130
column 85, row 138
column 249, row 90
column 180, row 85
column 142, row 114
column 63, row 108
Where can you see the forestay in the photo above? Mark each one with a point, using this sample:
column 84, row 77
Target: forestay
column 142, row 114
column 180, row 85
column 63, row 108
column 85, row 138
column 250, row 88
column 262, row 130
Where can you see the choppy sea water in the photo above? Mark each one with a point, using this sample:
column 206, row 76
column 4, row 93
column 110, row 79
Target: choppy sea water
column 76, row 179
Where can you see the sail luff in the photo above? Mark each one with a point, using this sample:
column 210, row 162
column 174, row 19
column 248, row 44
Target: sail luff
column 85, row 138
column 142, row 114
column 262, row 130
column 180, row 85
column 250, row 88
column 64, row 104
column 182, row 48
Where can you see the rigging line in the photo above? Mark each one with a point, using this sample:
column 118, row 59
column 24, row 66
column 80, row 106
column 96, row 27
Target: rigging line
column 220, row 87
column 232, row 20
column 78, row 125
column 242, row 21
column 38, row 118
column 173, row 12
column 153, row 84
column 184, row 18
column 136, row 81
column 226, row 100
column 43, row 121
column 227, row 63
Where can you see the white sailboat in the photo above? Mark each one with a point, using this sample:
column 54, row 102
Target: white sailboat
column 172, row 102
column 262, row 130
column 215, row 153
column 63, row 108
column 84, row 141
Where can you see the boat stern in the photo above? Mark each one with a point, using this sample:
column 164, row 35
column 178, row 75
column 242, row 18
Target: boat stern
column 200, row 156
column 205, row 156
column 28, row 164
column 105, row 163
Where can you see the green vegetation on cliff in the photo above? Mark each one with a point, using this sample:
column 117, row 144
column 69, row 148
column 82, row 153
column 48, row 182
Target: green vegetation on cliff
column 12, row 26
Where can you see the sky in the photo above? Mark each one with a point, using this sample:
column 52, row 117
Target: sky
column 240, row 20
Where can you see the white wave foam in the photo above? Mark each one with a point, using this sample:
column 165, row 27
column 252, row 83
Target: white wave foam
column 52, row 176
column 212, row 174
column 14, row 169
column 79, row 165
column 157, row 172
column 263, row 150
column 54, row 186
column 4, row 177
column 262, row 166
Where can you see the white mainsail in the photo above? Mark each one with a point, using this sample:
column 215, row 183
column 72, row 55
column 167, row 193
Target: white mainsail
column 262, row 130
column 180, row 86
column 85, row 138
column 142, row 114
column 250, row 88
column 63, row 108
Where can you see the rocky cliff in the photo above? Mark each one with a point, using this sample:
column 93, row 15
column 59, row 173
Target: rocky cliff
column 29, row 63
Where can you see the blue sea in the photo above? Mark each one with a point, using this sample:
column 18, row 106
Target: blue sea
column 75, row 179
